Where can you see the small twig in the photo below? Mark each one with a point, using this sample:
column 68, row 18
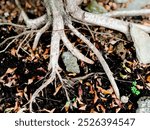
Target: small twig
column 7, row 46
column 13, row 39
column 64, row 87
column 13, row 24
column 85, row 76
column 22, row 43
column 90, row 31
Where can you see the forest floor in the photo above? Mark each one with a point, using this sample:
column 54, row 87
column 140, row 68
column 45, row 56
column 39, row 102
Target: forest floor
column 22, row 72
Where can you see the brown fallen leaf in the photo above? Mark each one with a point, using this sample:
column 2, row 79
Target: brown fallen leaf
column 31, row 80
column 57, row 89
column 95, row 97
column 83, row 107
column 99, row 106
column 148, row 78
column 13, row 51
column 79, row 101
column 50, row 111
column 92, row 111
column 17, row 106
column 105, row 92
column 10, row 70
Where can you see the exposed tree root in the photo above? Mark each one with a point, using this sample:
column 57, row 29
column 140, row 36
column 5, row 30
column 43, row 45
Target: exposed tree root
column 31, row 23
column 101, row 20
column 59, row 15
column 128, row 13
column 100, row 58
column 38, row 35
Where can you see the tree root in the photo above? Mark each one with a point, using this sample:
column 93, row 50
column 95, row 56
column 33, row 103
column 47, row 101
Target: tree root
column 39, row 33
column 128, row 13
column 60, row 14
column 101, row 20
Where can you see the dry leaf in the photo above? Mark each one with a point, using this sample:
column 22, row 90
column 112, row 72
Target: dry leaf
column 130, row 106
column 17, row 106
column 21, row 110
column 80, row 92
column 31, row 80
column 92, row 111
column 95, row 97
column 46, row 54
column 100, row 89
column 10, row 70
column 13, row 51
column 67, row 105
column 74, row 104
column 87, row 84
column 57, row 89
column 50, row 111
column 101, row 107
column 83, row 107
column 118, row 109
column 148, row 78
column 148, row 85
column 79, row 101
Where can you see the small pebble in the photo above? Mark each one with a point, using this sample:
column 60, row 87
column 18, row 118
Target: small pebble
column 124, row 99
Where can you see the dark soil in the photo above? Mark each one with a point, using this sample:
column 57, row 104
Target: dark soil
column 21, row 75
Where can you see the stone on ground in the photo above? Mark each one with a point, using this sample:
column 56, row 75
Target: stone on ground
column 143, row 105
column 70, row 62
column 141, row 41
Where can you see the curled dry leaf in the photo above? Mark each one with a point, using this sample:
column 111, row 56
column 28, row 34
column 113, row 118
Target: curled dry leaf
column 67, row 105
column 148, row 78
column 118, row 109
column 31, row 80
column 83, row 107
column 79, row 101
column 99, row 106
column 57, row 89
column 90, row 87
column 105, row 92
column 13, row 51
column 10, row 70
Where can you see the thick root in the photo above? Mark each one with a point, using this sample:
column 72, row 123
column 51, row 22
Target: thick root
column 100, row 58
